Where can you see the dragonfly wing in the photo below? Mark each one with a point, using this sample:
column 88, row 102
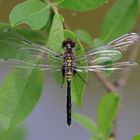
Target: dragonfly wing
column 40, row 54
column 29, row 51
column 28, row 65
column 106, row 67
column 103, row 56
column 18, row 38
column 121, row 44
column 33, row 47
column 112, row 51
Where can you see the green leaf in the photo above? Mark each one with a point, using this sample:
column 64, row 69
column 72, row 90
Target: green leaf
column 59, row 1
column 56, row 35
column 107, row 111
column 120, row 19
column 55, row 39
column 18, row 96
column 81, row 5
column 29, row 34
column 18, row 133
column 32, row 12
column 9, row 45
column 139, row 6
column 100, row 137
column 84, row 36
column 85, row 122
column 92, row 138
column 136, row 137
column 98, row 42
column 77, row 84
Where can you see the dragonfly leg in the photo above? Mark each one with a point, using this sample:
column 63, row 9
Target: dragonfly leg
column 63, row 75
column 75, row 72
column 77, row 49
column 59, row 55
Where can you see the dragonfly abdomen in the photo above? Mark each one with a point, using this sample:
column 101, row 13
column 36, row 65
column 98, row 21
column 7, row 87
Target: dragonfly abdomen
column 69, row 74
column 69, row 103
column 69, row 67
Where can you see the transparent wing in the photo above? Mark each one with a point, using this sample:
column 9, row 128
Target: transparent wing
column 104, row 56
column 112, row 51
column 121, row 43
column 28, row 65
column 38, row 50
column 106, row 67
column 30, row 48
column 41, row 54
column 27, row 53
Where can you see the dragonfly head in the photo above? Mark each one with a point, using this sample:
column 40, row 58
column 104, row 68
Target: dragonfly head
column 68, row 44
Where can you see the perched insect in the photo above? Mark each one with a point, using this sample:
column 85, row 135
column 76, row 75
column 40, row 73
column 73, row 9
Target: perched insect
column 96, row 58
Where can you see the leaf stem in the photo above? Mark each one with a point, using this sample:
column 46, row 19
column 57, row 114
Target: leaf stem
column 57, row 3
column 45, row 1
column 54, row 7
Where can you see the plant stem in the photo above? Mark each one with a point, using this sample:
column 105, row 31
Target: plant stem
column 119, row 84
column 106, row 83
column 57, row 3
column 53, row 6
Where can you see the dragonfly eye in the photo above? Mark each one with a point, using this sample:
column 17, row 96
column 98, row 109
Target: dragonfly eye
column 68, row 44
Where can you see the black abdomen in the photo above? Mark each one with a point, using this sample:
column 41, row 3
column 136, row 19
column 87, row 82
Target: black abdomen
column 68, row 103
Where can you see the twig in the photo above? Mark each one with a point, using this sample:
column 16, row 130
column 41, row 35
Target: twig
column 119, row 84
column 53, row 7
column 106, row 83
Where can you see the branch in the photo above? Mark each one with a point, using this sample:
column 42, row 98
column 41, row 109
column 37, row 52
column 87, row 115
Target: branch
column 54, row 8
column 106, row 83
column 119, row 84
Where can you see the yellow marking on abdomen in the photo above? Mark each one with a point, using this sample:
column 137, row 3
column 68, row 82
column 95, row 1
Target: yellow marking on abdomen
column 69, row 72
column 69, row 75
column 69, row 64
column 69, row 61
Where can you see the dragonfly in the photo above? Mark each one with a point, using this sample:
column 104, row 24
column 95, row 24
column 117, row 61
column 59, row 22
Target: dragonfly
column 97, row 60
